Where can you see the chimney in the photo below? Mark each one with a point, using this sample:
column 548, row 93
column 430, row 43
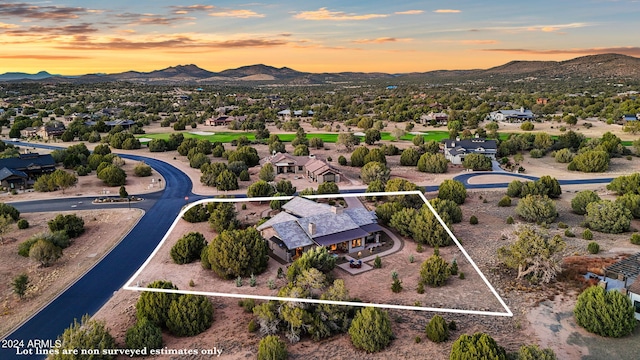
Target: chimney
column 312, row 228
column 336, row 210
column 457, row 138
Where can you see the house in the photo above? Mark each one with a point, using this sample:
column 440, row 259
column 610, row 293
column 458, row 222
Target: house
column 51, row 132
column 29, row 132
column 626, row 271
column 23, row 170
column 440, row 118
column 223, row 120
column 456, row 150
column 519, row 115
column 542, row 101
column 629, row 117
column 113, row 123
column 304, row 224
column 315, row 169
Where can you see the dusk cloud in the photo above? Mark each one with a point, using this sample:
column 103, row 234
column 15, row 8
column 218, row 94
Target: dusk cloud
column 625, row 50
column 180, row 10
column 324, row 14
column 379, row 40
column 43, row 57
column 30, row 11
column 182, row 41
column 409, row 12
column 446, row 11
column 83, row 28
column 242, row 14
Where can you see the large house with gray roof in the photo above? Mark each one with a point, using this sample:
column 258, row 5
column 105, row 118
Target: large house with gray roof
column 303, row 224
column 456, row 150
column 21, row 172
column 316, row 170
column 519, row 115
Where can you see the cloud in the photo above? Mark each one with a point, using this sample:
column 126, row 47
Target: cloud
column 324, row 14
column 180, row 10
column 409, row 12
column 7, row 26
column 151, row 19
column 555, row 28
column 30, row 11
column 625, row 50
column 177, row 42
column 478, row 42
column 447, row 11
column 43, row 57
column 84, row 28
column 242, row 14
column 379, row 40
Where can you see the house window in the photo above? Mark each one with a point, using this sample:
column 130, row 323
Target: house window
column 636, row 306
column 356, row 243
column 299, row 168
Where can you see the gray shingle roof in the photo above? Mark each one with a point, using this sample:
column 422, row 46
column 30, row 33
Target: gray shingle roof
column 292, row 234
column 302, row 207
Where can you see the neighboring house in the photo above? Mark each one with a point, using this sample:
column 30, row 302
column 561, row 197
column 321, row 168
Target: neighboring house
column 287, row 113
column 439, row 117
column 456, row 150
column 629, row 117
column 113, row 123
column 626, row 272
column 315, row 169
column 23, row 170
column 304, row 224
column 223, row 120
column 542, row 101
column 29, row 132
column 520, row 115
column 51, row 132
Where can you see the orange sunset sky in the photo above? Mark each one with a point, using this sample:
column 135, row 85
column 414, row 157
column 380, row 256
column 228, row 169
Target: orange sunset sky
column 77, row 37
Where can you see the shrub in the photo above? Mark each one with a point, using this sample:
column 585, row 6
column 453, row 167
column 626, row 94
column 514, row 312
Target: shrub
column 477, row 162
column 582, row 199
column 537, row 208
column 452, row 190
column 461, row 276
column 433, row 163
column 252, row 326
column 272, row 348
column 342, row 160
column 452, row 325
column 476, row 346
column 6, row 209
column 377, row 262
column 144, row 334
column 190, row 315
column 198, row 213
column 420, row 288
column 188, row 248
column 142, row 170
column 247, row 305
column 592, row 161
column 587, row 234
column 514, row 188
column 396, row 286
column 87, row 334
column 564, row 156
column 533, row 352
column 473, row 220
column 510, row 220
column 505, row 201
column 23, row 224
column 45, row 252
column 155, row 305
column 417, row 340
column 536, row 153
column 606, row 313
column 562, row 225
column 608, row 217
column 434, row 271
column 370, row 330
column 453, row 269
column 437, row 329
column 593, row 247
column 569, row 233
column 635, row 239
column 527, row 126
column 71, row 224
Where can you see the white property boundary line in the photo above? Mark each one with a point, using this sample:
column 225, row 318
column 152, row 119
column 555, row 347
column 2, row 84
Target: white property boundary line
column 508, row 312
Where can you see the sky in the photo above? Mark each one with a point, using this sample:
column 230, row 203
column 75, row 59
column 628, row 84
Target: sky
column 78, row 37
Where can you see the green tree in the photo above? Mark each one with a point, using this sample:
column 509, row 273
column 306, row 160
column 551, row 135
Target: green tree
column 591, row 161
column 71, row 224
column 142, row 170
column 533, row 352
column 5, row 226
column 222, row 216
column 328, row 187
column 370, row 330
column 437, row 329
column 477, row 162
column 371, row 136
column 198, row 159
column 527, row 126
column 227, row 180
column 88, row 334
column 123, row 192
column 542, row 141
column 112, row 176
column 20, row 284
column 188, row 248
column 102, row 149
column 434, row 271
column 476, row 346
column 628, row 201
column 402, row 219
column 267, row 172
column 375, row 171
column 260, row 189
column 433, row 163
column 197, row 213
column 452, row 190
column 236, row 253
column 398, row 184
column 285, row 187
column 606, row 313
column 426, row 229
column 608, row 217
column 564, row 156
column 348, row 140
column 623, row 184
column 448, row 207
column 144, row 334
column 375, row 155
column 301, row 150
column 318, row 257
column 63, row 180
column 190, row 315
column 45, row 252
column 386, row 210
column 535, row 254
column 537, row 208
column 582, row 199
column 155, row 305
column 272, row 348
column 6, row 209
column 358, row 156
column 409, row 157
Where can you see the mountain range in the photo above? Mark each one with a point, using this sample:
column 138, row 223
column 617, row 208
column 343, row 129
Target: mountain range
column 604, row 66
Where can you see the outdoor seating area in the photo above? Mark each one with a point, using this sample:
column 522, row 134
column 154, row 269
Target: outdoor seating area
column 355, row 264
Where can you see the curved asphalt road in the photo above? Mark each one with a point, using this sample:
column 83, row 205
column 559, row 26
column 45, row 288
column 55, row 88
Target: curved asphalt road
column 93, row 289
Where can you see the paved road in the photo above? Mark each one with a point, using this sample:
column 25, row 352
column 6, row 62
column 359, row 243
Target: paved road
column 92, row 290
